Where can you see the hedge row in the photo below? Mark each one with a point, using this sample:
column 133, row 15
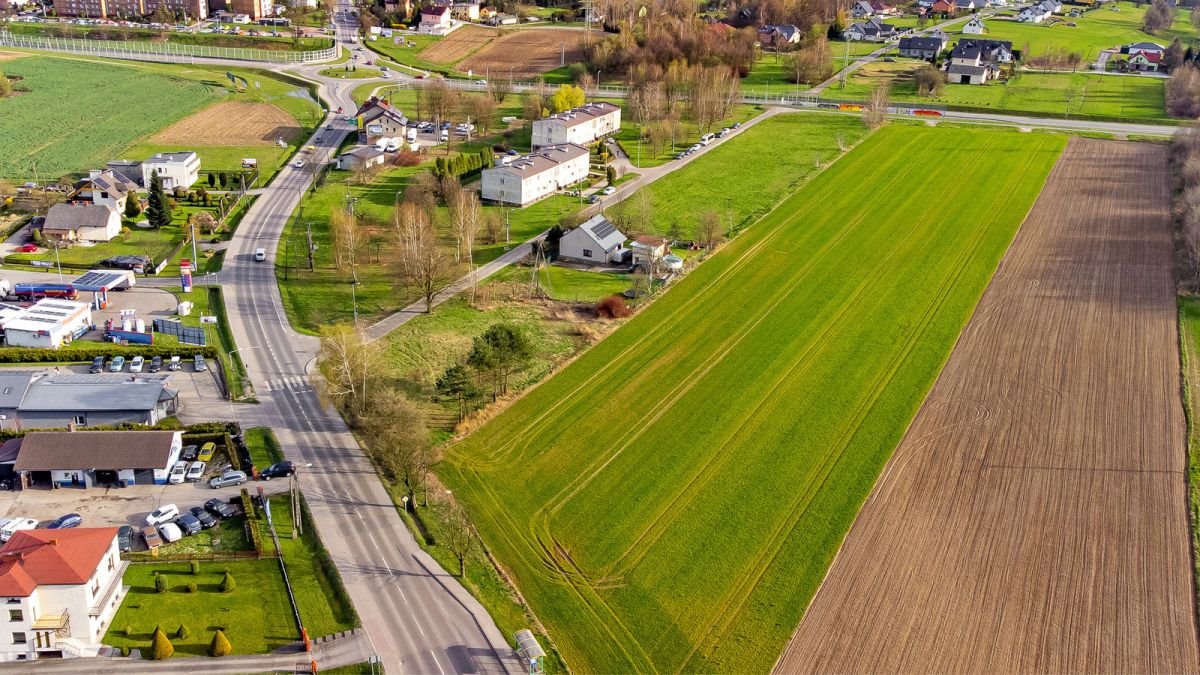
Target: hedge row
column 81, row 352
column 252, row 521
column 326, row 562
column 463, row 163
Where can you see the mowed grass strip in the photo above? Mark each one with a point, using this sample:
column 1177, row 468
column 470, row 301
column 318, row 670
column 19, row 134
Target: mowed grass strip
column 671, row 501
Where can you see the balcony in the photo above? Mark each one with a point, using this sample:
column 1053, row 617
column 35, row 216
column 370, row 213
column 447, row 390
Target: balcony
column 114, row 586
column 52, row 622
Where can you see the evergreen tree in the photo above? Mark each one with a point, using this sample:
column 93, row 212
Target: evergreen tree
column 158, row 211
column 457, row 382
column 161, row 647
column 133, row 205
column 220, row 645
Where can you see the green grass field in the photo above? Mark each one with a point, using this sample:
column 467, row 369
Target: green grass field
column 1189, row 335
column 1053, row 93
column 279, row 42
column 735, row 426
column 42, row 134
column 1110, row 26
column 771, row 72
column 796, row 144
column 256, row 616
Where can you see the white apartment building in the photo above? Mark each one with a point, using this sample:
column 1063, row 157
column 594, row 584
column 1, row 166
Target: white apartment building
column 177, row 169
column 524, row 180
column 60, row 590
column 581, row 126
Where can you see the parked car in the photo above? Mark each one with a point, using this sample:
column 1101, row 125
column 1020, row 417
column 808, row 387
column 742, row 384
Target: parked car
column 199, row 364
column 178, row 473
column 206, row 452
column 135, row 366
column 125, row 538
column 156, row 364
column 189, row 452
column 15, row 525
column 195, row 471
column 28, row 248
column 127, row 262
column 227, row 479
column 737, row 125
column 278, row 470
column 97, row 365
column 188, row 523
column 594, row 199
column 206, row 519
column 117, row 364
column 151, row 537
column 220, row 508
column 64, row 522
column 608, row 190
column 170, row 532
column 163, row 514
column 175, row 363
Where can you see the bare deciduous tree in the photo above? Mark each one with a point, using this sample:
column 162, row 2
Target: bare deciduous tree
column 398, row 438
column 459, row 536
column 709, row 231
column 874, row 112
column 346, row 369
column 421, row 259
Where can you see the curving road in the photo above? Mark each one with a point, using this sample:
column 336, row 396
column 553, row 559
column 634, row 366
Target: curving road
column 418, row 617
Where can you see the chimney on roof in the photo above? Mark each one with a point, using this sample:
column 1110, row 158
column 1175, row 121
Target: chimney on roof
column 52, row 542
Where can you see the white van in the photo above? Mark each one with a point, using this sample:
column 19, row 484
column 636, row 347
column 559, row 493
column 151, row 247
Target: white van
column 410, row 136
column 445, row 135
column 707, row 138
column 170, row 532
column 393, row 144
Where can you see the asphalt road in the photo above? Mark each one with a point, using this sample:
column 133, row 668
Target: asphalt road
column 418, row 617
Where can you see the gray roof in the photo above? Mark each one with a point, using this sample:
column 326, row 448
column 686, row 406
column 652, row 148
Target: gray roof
column 76, row 216
column 588, row 111
column 363, row 152
column 935, row 43
column 105, row 450
column 85, row 393
column 544, row 159
column 603, row 232
column 959, row 69
column 13, row 384
column 110, row 182
column 171, row 158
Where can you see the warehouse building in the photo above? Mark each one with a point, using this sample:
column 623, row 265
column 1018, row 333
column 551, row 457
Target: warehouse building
column 581, row 126
column 88, row 458
column 50, row 323
column 524, row 180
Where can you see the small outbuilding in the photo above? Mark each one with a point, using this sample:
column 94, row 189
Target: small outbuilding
column 360, row 157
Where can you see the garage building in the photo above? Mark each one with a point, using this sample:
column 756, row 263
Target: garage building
column 87, row 458
column 48, row 324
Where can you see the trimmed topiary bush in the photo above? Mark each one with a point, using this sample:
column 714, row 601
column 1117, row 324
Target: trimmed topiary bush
column 227, row 583
column 161, row 583
column 191, row 588
column 161, row 647
column 195, row 567
column 220, row 645
column 183, row 633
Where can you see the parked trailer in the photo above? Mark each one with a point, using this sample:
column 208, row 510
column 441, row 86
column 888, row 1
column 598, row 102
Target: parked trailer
column 32, row 291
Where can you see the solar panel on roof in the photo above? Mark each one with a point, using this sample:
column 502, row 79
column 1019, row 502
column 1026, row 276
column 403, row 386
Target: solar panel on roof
column 603, row 229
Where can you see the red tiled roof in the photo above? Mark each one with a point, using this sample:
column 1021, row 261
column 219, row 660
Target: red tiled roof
column 1152, row 57
column 52, row 557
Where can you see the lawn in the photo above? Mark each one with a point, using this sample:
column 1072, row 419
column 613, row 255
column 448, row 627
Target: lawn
column 742, row 192
column 409, row 54
column 324, row 606
column 1189, row 327
column 771, row 74
column 350, row 72
column 256, row 616
column 283, row 42
column 1110, row 26
column 263, row 446
column 690, row 133
column 567, row 284
column 39, row 136
column 1052, row 93
column 228, row 535
column 735, row 426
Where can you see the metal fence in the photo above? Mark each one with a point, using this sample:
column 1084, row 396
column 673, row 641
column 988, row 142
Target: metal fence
column 160, row 52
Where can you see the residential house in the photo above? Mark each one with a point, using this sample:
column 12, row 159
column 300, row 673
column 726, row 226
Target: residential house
column 435, row 21
column 1144, row 47
column 81, row 222
column 861, row 9
column 1145, row 61
column 597, row 240
column 528, row 178
column 968, row 5
column 465, row 11
column 105, row 188
column 89, row 458
column 175, row 169
column 255, row 9
column 974, row 61
column 779, row 36
column 55, row 401
column 873, row 29
column 189, row 9
column 974, row 26
column 377, row 119
column 926, row 47
column 648, row 250
column 943, row 7
column 62, row 589
column 1037, row 12
column 100, row 9
column 49, row 323
column 361, row 157
column 581, row 126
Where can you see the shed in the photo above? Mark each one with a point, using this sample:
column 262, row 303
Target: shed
column 597, row 240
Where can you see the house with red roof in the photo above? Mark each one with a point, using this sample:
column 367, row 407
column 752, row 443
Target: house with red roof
column 1146, row 60
column 60, row 590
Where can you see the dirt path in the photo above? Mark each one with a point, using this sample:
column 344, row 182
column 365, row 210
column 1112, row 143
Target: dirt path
column 1033, row 518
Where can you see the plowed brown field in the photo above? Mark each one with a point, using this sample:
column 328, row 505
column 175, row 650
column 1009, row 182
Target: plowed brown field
column 459, row 44
column 527, row 52
column 232, row 123
column 1033, row 518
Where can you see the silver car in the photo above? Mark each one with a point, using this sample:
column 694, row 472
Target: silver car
column 227, row 479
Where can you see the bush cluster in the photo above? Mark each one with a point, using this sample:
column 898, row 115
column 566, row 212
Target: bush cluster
column 463, row 163
column 88, row 352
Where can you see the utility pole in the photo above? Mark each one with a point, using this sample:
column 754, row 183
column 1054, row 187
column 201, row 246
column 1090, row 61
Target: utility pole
column 308, row 235
column 192, row 229
column 845, row 63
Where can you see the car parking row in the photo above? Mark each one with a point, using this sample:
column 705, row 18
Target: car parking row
column 167, row 524
column 137, row 364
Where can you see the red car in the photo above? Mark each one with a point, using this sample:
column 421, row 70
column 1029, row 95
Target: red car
column 28, row 248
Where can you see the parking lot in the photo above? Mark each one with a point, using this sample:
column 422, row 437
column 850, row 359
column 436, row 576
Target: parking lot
column 198, row 391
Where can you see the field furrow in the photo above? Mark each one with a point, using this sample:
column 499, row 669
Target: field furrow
column 671, row 500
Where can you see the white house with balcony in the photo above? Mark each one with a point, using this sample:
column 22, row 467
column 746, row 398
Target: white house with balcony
column 528, row 178
column 176, row 169
column 581, row 126
column 60, row 590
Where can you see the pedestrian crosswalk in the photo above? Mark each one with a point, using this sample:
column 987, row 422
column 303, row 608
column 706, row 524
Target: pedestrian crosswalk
column 299, row 385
